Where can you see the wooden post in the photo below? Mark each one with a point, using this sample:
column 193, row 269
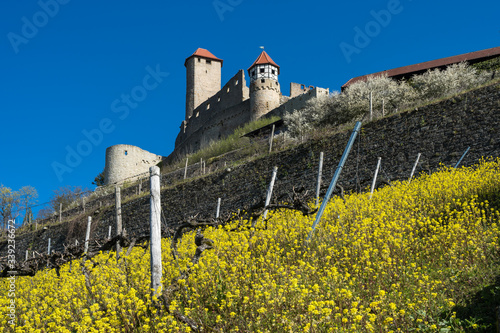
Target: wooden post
column 155, row 230
column 87, row 234
column 414, row 167
column 60, row 212
column 375, row 177
column 201, row 166
column 320, row 173
column 83, row 204
column 118, row 214
column 383, row 107
column 26, row 256
column 109, row 232
column 270, row 190
column 140, row 187
column 204, row 169
column 271, row 140
column 186, row 168
column 48, row 248
column 217, row 214
column 371, row 106
column 100, row 204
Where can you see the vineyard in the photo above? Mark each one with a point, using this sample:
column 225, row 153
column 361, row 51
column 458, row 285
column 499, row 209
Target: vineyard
column 409, row 258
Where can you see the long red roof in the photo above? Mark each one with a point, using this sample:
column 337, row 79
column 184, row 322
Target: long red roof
column 407, row 71
column 203, row 53
column 262, row 59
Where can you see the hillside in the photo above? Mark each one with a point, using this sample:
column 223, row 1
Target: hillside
column 409, row 258
column 441, row 132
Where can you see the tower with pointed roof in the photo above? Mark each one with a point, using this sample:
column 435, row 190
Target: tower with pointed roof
column 265, row 90
column 203, row 78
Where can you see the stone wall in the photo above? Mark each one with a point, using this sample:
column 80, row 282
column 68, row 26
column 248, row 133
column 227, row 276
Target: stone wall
column 440, row 132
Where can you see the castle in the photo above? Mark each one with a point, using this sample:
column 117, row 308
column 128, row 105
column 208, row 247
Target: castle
column 213, row 113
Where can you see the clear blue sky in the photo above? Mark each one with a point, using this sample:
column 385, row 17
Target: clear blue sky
column 65, row 62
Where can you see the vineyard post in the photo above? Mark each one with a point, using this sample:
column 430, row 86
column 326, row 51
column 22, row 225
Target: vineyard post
column 414, row 168
column 335, row 178
column 271, row 140
column 375, row 177
column 320, row 172
column 109, row 232
column 371, row 106
column 218, row 208
column 155, row 230
column 461, row 158
column 26, row 256
column 83, row 204
column 87, row 234
column 270, row 190
column 118, row 213
column 201, row 166
column 48, row 248
column 60, row 212
column 186, row 168
column 140, row 187
column 383, row 107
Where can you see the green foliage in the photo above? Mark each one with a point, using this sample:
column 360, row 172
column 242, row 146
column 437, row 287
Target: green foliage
column 99, row 179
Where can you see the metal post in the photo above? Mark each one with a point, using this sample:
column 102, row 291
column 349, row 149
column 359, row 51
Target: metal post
column 48, row 248
column 357, row 127
column 109, row 232
column 414, row 168
column 217, row 214
column 155, row 230
column 461, row 158
column 270, row 190
column 271, row 140
column 375, row 177
column 320, row 173
column 87, row 235
column 186, row 168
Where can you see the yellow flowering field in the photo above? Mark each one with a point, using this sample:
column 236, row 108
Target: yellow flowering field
column 402, row 261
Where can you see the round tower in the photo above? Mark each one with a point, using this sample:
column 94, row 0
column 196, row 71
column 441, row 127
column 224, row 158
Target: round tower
column 265, row 90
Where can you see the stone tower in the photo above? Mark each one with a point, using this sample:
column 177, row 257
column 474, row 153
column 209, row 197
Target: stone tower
column 203, row 78
column 264, row 86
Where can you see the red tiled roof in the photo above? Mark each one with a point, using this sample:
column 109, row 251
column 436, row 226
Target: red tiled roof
column 264, row 58
column 407, row 71
column 203, row 53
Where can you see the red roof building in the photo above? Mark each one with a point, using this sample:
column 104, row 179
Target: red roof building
column 408, row 71
column 263, row 59
column 203, row 53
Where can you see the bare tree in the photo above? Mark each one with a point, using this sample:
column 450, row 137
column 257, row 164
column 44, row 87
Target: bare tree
column 8, row 201
column 27, row 199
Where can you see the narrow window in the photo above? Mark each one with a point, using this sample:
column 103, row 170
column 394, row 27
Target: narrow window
column 273, row 71
column 262, row 70
column 126, row 152
column 209, row 61
column 263, row 81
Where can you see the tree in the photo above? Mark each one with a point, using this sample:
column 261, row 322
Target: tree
column 8, row 201
column 27, row 198
column 65, row 196
column 99, row 179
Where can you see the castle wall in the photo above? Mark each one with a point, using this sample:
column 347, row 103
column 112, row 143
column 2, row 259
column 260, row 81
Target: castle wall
column 297, row 89
column 298, row 102
column 216, row 117
column 125, row 161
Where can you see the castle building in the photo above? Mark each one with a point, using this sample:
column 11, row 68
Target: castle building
column 213, row 112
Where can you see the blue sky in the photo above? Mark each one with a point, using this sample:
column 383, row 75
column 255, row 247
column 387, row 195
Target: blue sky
column 65, row 63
